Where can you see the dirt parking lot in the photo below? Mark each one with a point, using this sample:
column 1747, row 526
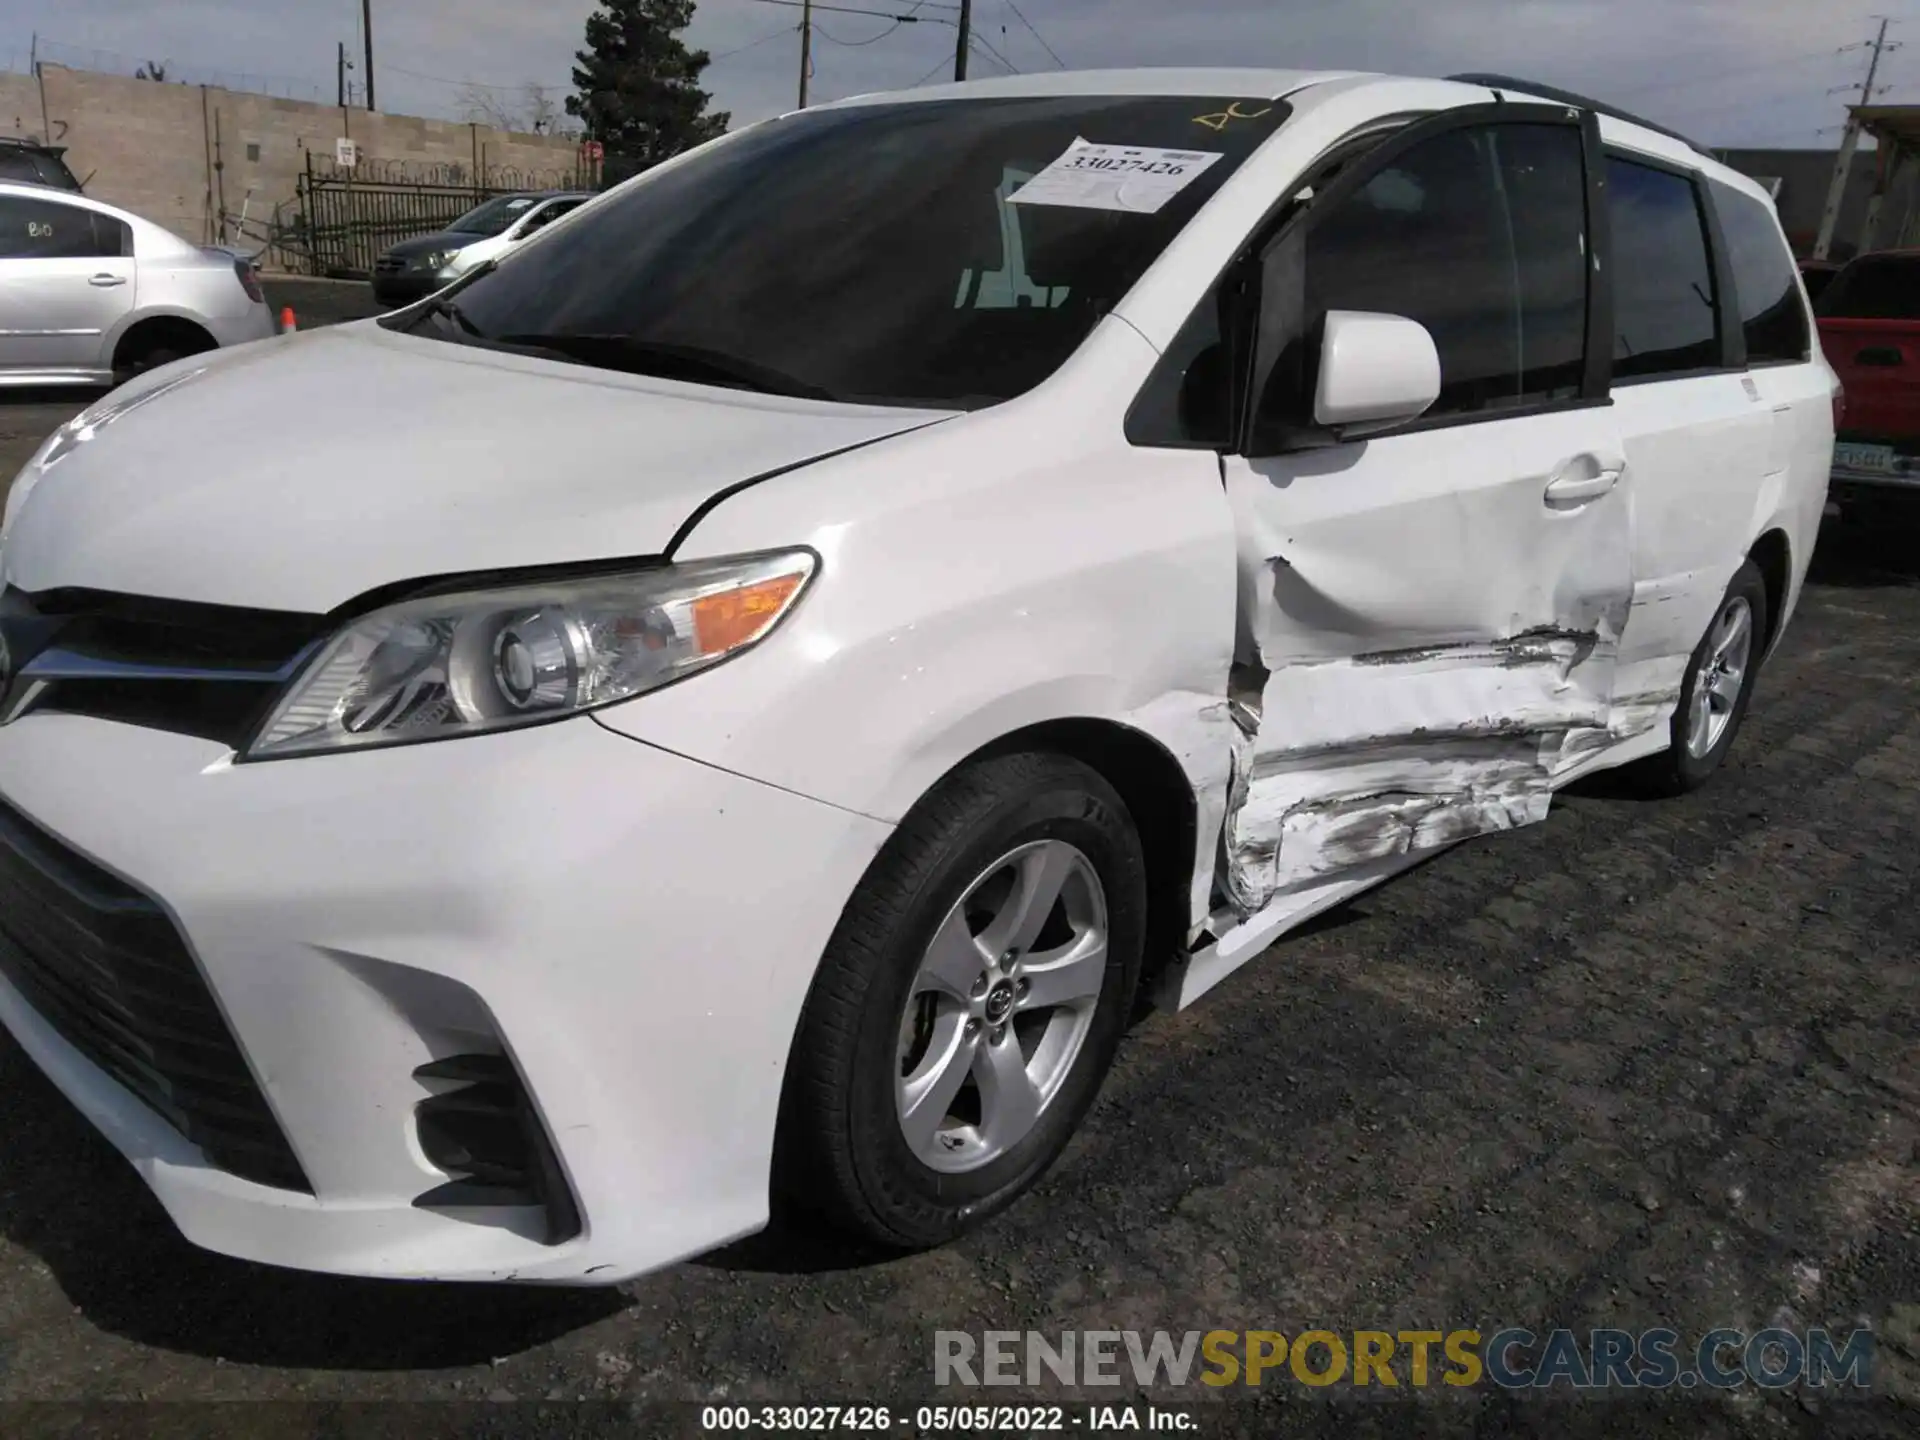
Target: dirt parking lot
column 1648, row 1063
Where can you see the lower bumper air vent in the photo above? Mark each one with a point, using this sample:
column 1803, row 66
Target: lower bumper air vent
column 102, row 964
column 485, row 1134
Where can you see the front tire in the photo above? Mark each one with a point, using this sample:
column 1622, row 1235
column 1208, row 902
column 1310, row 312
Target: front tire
column 969, row 1004
column 1716, row 689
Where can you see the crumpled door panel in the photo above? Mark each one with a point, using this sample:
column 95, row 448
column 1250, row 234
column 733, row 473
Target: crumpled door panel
column 1426, row 643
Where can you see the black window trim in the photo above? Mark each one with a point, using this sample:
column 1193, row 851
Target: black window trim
column 1598, row 382
column 1361, row 140
column 1277, row 226
column 1717, row 235
column 1499, row 112
column 1732, row 338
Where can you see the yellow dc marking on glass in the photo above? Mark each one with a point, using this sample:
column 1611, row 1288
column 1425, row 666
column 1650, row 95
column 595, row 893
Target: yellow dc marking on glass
column 1232, row 112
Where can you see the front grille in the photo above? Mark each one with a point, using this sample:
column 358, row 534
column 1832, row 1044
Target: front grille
column 106, row 968
column 389, row 265
column 205, row 670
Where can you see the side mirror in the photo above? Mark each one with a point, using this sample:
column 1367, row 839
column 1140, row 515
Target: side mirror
column 1376, row 372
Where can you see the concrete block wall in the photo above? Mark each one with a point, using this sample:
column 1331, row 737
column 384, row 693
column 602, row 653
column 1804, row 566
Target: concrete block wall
column 182, row 155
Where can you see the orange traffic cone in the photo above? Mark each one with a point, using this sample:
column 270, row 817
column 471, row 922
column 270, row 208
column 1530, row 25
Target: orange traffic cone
column 287, row 327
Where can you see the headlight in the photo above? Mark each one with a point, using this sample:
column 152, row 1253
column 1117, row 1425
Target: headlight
column 435, row 259
column 463, row 664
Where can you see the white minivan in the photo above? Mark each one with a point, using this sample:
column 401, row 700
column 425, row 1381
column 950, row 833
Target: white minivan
column 731, row 704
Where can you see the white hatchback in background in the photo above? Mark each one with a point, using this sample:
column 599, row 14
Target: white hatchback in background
column 542, row 214
column 90, row 294
column 779, row 661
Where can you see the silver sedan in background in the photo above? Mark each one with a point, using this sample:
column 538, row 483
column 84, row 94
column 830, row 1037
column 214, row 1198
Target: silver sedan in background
column 91, row 295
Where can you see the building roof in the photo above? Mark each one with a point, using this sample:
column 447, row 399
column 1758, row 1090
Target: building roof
column 1890, row 124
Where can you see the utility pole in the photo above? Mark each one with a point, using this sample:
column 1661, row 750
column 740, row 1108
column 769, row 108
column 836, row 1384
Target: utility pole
column 340, row 73
column 367, row 27
column 966, row 40
column 1843, row 166
column 806, row 49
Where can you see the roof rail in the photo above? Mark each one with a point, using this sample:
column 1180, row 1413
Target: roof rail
column 1568, row 97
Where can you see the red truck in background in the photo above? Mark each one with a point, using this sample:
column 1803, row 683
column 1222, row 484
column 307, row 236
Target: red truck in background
column 1869, row 318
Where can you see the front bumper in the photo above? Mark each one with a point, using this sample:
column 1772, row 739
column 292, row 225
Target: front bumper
column 637, row 931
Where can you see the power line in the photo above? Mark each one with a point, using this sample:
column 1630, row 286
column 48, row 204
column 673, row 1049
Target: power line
column 825, row 34
column 984, row 44
column 751, row 44
column 1837, row 190
column 939, row 66
column 1036, row 34
column 469, row 84
column 851, row 10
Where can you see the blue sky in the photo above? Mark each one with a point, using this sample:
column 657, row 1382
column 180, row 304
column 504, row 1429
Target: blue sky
column 1724, row 71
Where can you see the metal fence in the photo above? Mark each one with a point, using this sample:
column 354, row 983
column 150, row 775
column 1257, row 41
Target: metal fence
column 347, row 217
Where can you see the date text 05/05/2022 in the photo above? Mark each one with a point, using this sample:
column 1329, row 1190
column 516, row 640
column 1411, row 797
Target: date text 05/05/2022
column 942, row 1419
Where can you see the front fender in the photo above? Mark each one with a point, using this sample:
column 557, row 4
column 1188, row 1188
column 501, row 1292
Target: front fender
column 1012, row 567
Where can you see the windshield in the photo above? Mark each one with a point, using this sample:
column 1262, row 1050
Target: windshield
column 873, row 253
column 1881, row 288
column 494, row 216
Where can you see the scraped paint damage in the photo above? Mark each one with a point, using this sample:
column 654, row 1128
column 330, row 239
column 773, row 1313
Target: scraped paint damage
column 1340, row 763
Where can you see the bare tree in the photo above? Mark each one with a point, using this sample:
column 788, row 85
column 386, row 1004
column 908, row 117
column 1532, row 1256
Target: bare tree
column 152, row 70
column 482, row 106
column 533, row 112
column 542, row 111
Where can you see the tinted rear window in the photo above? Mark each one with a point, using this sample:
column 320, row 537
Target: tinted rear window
column 17, row 165
column 34, row 167
column 873, row 253
column 1764, row 277
column 1662, row 281
column 1881, row 287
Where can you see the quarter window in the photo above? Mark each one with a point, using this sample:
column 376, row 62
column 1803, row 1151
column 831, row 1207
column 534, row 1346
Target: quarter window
column 1663, row 295
column 1764, row 278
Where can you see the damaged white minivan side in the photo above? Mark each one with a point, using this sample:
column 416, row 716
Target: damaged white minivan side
column 886, row 590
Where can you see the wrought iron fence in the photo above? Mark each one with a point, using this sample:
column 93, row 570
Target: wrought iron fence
column 349, row 216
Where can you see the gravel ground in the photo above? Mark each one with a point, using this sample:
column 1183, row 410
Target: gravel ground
column 1647, row 1063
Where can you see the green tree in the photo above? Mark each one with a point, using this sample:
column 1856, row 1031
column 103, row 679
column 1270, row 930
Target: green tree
column 638, row 84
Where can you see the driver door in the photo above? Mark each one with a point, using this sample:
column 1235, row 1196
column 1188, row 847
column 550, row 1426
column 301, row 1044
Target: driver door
column 1429, row 613
column 67, row 278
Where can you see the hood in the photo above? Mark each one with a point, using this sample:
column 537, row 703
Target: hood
column 300, row 472
column 439, row 240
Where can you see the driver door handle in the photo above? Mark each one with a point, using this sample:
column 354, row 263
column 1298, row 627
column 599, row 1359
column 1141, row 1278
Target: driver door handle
column 1584, row 478
column 104, row 280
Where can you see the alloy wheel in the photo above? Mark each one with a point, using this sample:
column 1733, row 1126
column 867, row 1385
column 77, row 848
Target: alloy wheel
column 1001, row 1005
column 1716, row 690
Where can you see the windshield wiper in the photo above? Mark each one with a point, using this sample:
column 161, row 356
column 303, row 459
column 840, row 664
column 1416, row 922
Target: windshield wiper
column 652, row 357
column 442, row 305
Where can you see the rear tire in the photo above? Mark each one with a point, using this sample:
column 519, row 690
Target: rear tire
column 1715, row 691
column 899, row 1121
column 149, row 359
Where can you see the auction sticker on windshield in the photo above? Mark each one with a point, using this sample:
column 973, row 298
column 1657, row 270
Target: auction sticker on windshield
column 1135, row 178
